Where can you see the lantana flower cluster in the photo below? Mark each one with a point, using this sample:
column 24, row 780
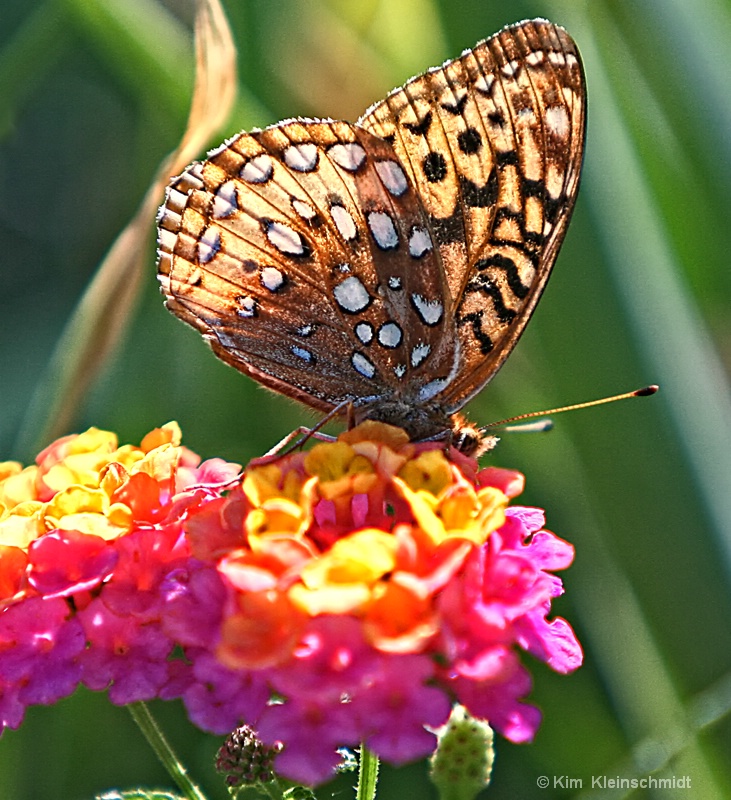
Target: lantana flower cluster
column 342, row 595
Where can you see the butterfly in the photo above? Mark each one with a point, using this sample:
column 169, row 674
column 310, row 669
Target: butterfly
column 387, row 267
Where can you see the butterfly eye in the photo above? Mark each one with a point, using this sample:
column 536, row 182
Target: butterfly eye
column 387, row 266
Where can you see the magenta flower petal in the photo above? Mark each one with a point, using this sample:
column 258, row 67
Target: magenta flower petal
column 193, row 598
column 220, row 699
column 553, row 642
column 39, row 651
column 312, row 733
column 12, row 711
column 332, row 659
column 63, row 563
column 398, row 706
column 125, row 655
column 497, row 698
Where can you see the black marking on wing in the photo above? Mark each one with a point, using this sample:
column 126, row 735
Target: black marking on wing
column 457, row 107
column 479, row 196
column 483, row 284
column 420, row 128
column 508, row 266
column 435, row 167
column 475, row 320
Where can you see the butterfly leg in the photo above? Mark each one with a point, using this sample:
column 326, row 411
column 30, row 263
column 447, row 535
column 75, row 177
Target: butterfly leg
column 282, row 448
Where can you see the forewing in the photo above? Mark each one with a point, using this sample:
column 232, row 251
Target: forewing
column 493, row 142
column 303, row 256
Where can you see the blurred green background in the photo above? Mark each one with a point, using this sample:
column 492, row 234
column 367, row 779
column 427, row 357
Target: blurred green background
column 93, row 93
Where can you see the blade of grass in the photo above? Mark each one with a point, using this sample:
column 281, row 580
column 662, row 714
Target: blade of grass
column 107, row 306
column 675, row 343
column 681, row 358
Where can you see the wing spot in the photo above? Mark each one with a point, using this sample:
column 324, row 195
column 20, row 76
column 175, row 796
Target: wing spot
column 191, row 179
column 272, row 279
column 394, row 282
column 363, row 365
column 557, row 121
column 302, row 353
column 306, row 330
column 224, row 202
column 165, row 239
column 430, row 311
column 390, row 335
column 285, row 239
column 432, row 388
column 175, row 200
column 348, row 155
column 496, row 118
column 352, row 296
column 258, row 169
column 303, row 209
column 526, row 114
column 383, row 230
column 456, row 107
column 557, row 58
column 364, row 332
column 301, row 157
column 511, row 69
column 435, row 167
column 399, row 370
column 208, row 244
column 420, row 128
column 485, row 84
column 420, row 242
column 344, row 222
column 419, row 353
column 246, row 306
column 169, row 221
column 469, row 141
column 535, row 58
column 392, row 177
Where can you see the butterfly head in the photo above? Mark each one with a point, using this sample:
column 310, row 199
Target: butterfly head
column 430, row 422
column 469, row 439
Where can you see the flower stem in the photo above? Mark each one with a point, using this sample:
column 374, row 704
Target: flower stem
column 156, row 739
column 367, row 774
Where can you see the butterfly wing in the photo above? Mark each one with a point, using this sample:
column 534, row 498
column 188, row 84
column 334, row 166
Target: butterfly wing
column 393, row 263
column 493, row 142
column 303, row 256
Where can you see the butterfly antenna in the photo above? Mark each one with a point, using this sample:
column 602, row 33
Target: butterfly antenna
column 545, row 425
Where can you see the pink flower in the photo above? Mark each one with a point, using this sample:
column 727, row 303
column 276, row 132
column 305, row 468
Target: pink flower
column 372, row 581
column 346, row 594
column 88, row 540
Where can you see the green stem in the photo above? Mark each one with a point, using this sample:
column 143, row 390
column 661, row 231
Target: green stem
column 367, row 774
column 156, row 739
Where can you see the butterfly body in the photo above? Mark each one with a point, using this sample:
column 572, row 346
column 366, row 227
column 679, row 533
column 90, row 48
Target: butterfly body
column 387, row 265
